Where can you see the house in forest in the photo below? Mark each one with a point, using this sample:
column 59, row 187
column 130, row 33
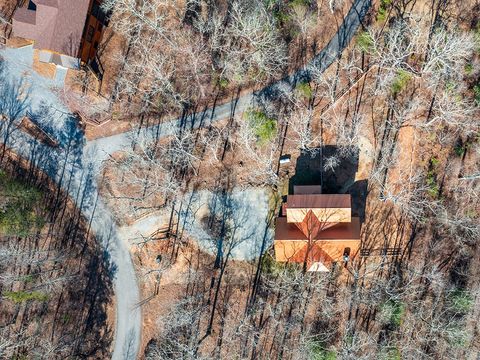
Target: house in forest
column 64, row 32
column 316, row 229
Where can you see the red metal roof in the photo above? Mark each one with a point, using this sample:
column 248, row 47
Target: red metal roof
column 287, row 231
column 340, row 231
column 316, row 254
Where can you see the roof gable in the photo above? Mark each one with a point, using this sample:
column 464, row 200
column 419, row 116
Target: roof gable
column 57, row 25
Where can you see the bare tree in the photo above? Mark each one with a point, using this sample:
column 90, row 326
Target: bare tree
column 346, row 130
column 262, row 157
column 300, row 123
column 144, row 172
column 302, row 18
column 254, row 50
column 447, row 53
column 410, row 195
column 453, row 111
column 213, row 139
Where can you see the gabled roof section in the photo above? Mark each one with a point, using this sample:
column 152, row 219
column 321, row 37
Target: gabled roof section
column 340, row 231
column 287, row 231
column 328, row 208
column 25, row 16
column 315, row 254
column 324, row 215
column 318, row 267
column 51, row 3
column 343, row 231
column 56, row 25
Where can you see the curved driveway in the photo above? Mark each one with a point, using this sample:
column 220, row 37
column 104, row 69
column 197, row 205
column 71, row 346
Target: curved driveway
column 77, row 170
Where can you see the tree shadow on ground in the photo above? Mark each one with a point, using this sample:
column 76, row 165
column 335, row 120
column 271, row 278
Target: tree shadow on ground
column 311, row 170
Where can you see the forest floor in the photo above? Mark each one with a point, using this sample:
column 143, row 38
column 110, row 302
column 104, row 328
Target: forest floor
column 54, row 273
column 34, row 101
column 163, row 284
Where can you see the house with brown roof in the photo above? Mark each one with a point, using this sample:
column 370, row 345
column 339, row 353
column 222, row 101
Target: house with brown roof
column 316, row 229
column 65, row 32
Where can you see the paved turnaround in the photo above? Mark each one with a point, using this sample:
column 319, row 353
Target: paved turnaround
column 76, row 165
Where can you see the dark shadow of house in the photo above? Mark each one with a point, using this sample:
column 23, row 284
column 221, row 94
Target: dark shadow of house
column 310, row 170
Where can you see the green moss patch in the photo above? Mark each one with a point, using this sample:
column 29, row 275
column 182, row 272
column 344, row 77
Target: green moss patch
column 19, row 203
column 23, row 296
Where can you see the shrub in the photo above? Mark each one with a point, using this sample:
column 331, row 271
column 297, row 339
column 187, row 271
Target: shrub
column 24, row 195
column 382, row 10
column 28, row 278
column 476, row 35
column 272, row 267
column 468, row 69
column 450, row 87
column 394, row 354
column 265, row 128
column 431, row 178
column 400, row 81
column 434, row 161
column 15, row 221
column 269, row 264
column 457, row 335
column 434, row 190
column 476, row 94
column 281, row 16
column 17, row 214
column 365, row 42
column 305, row 90
column 392, row 312
column 269, row 3
column 300, row 3
column 66, row 318
column 20, row 357
column 390, row 353
column 318, row 352
column 460, row 301
column 459, row 150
